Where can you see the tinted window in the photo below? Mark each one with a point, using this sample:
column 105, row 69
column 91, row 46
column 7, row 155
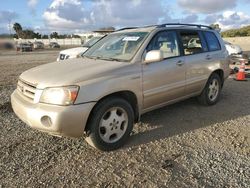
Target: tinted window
column 165, row 41
column 192, row 43
column 212, row 41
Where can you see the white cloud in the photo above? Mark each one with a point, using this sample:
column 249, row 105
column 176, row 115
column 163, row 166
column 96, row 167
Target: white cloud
column 73, row 14
column 229, row 19
column 206, row 6
column 66, row 15
column 32, row 3
column 58, row 3
column 232, row 19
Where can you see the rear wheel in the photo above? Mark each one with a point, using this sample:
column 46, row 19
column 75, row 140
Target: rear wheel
column 211, row 93
column 110, row 124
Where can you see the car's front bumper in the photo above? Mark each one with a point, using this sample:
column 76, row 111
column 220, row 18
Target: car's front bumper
column 67, row 121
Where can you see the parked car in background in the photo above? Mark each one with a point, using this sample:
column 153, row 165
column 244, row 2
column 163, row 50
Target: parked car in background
column 77, row 52
column 38, row 45
column 6, row 45
column 24, row 47
column 126, row 74
column 54, row 45
column 233, row 49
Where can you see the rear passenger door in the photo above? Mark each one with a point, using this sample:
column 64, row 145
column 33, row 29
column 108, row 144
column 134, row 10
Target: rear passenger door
column 195, row 52
column 214, row 48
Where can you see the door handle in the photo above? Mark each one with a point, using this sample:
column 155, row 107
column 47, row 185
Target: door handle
column 208, row 57
column 180, row 63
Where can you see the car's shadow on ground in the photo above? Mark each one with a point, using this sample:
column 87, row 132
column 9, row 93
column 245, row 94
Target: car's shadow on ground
column 188, row 115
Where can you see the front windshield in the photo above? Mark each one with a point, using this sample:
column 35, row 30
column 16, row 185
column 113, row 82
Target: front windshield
column 92, row 41
column 117, row 46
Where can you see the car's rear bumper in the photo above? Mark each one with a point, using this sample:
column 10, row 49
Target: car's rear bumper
column 67, row 121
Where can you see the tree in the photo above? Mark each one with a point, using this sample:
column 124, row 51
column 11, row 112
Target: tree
column 107, row 28
column 54, row 35
column 216, row 27
column 90, row 36
column 37, row 35
column 75, row 36
column 18, row 29
column 27, row 34
column 241, row 32
column 45, row 37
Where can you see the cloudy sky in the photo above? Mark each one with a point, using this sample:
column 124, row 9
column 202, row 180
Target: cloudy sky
column 70, row 16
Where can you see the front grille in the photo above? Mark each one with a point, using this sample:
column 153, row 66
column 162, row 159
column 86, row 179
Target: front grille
column 62, row 56
column 26, row 89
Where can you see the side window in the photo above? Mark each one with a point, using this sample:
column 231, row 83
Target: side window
column 212, row 41
column 192, row 43
column 165, row 41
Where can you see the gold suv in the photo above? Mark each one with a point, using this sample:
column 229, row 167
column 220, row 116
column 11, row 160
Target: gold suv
column 125, row 74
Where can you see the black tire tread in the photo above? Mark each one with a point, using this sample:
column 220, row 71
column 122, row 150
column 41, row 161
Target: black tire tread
column 93, row 138
column 203, row 98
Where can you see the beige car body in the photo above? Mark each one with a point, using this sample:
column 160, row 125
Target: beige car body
column 147, row 86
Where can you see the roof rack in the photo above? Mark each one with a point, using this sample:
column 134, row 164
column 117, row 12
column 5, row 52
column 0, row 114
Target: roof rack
column 180, row 24
column 136, row 27
column 126, row 28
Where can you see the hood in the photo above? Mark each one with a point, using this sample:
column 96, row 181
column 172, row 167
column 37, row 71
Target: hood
column 233, row 49
column 70, row 73
column 74, row 51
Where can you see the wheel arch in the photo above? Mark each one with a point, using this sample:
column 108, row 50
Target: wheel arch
column 129, row 96
column 220, row 72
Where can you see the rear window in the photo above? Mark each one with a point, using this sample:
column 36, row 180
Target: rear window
column 212, row 41
column 192, row 42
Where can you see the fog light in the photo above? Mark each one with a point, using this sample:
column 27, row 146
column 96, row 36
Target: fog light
column 46, row 121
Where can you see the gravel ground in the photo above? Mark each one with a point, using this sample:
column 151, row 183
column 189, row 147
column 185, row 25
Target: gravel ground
column 182, row 145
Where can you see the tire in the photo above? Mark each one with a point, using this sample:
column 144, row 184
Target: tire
column 110, row 124
column 211, row 93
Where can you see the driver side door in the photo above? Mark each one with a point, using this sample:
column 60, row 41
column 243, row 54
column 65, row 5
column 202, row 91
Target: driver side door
column 164, row 81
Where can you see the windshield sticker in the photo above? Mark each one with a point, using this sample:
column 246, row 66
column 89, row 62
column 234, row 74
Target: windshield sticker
column 133, row 38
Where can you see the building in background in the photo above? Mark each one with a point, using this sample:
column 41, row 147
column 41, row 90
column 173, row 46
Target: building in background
column 88, row 35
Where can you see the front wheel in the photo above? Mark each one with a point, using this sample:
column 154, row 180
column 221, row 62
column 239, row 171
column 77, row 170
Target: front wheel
column 110, row 124
column 211, row 93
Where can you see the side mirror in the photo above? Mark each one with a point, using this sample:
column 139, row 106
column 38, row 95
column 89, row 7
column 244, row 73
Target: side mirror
column 154, row 56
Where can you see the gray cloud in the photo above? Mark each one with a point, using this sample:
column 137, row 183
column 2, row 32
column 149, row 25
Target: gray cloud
column 74, row 14
column 7, row 16
column 79, row 15
column 191, row 18
column 206, row 6
column 6, row 19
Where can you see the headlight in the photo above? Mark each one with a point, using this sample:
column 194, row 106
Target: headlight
column 232, row 46
column 80, row 55
column 60, row 95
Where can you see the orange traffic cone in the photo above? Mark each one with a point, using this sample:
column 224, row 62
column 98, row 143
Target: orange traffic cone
column 241, row 74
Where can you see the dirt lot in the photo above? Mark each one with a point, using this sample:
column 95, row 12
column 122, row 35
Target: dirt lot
column 182, row 145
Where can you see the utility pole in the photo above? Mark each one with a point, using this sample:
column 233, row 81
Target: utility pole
column 10, row 27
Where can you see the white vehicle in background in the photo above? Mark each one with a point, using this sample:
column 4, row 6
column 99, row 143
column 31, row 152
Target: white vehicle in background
column 233, row 49
column 38, row 45
column 77, row 52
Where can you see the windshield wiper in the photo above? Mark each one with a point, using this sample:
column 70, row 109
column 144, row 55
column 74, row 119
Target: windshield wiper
column 106, row 58
column 90, row 57
column 112, row 59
